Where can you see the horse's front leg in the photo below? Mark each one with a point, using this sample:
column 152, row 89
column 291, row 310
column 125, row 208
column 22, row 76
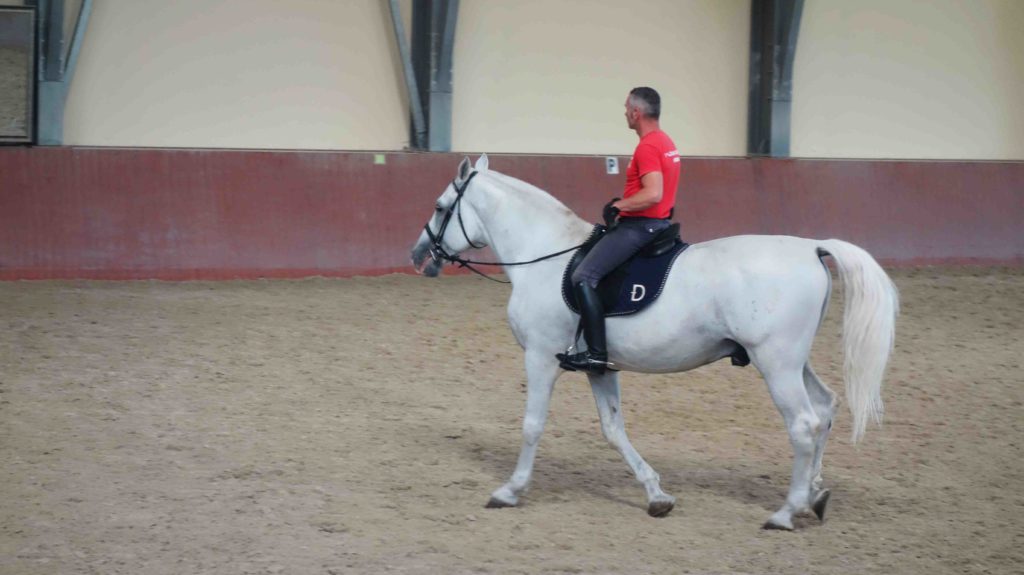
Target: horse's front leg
column 541, row 372
column 607, row 395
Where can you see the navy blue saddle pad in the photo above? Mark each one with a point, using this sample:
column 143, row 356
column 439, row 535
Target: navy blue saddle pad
column 634, row 284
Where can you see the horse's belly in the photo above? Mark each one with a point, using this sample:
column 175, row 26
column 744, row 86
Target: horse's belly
column 669, row 355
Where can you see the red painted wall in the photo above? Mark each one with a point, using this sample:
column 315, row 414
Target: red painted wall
column 212, row 214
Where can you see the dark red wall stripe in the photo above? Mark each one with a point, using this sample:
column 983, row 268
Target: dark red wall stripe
column 213, row 214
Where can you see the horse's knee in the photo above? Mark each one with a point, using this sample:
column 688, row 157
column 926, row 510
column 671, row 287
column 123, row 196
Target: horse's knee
column 532, row 430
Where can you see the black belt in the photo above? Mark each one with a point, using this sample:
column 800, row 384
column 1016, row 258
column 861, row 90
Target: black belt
column 642, row 219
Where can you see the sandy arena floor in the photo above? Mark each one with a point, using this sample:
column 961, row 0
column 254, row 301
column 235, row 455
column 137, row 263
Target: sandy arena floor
column 358, row 426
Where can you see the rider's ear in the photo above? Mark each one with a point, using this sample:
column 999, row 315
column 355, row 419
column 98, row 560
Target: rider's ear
column 464, row 169
column 481, row 163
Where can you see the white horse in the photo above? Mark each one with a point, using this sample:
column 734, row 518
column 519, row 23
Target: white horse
column 768, row 294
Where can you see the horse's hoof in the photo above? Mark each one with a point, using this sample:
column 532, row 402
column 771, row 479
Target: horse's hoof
column 660, row 508
column 820, row 502
column 496, row 503
column 770, row 525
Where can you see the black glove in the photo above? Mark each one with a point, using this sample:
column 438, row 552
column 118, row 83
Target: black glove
column 610, row 212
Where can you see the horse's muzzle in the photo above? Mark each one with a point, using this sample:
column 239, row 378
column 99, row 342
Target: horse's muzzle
column 424, row 261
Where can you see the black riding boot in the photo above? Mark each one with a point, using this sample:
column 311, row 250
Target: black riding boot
column 595, row 359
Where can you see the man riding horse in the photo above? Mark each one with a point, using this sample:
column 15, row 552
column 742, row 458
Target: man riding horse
column 643, row 211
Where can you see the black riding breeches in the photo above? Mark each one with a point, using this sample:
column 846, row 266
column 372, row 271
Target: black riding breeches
column 618, row 245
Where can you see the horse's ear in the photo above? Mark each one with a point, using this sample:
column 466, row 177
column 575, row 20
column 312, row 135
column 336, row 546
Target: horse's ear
column 481, row 163
column 464, row 168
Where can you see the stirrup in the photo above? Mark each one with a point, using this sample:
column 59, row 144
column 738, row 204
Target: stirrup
column 583, row 362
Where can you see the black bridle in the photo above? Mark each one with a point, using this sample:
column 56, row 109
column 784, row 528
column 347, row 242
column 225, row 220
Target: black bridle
column 437, row 251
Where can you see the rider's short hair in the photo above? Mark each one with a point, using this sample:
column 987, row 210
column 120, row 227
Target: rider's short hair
column 648, row 100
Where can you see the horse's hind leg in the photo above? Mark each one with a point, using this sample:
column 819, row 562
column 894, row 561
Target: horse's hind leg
column 541, row 372
column 607, row 396
column 787, row 389
column 823, row 402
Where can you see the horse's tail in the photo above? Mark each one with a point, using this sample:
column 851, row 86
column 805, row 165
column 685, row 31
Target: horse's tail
column 869, row 322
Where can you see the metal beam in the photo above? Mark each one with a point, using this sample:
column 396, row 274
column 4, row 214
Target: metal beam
column 440, row 135
column 55, row 72
column 774, row 28
column 418, row 138
column 76, row 41
column 433, row 41
column 52, row 39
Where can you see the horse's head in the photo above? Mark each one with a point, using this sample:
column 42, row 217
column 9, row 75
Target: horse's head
column 454, row 227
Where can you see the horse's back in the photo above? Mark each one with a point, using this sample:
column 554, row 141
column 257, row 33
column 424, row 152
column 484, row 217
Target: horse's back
column 748, row 250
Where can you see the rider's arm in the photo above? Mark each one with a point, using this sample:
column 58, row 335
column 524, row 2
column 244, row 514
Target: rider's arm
column 649, row 194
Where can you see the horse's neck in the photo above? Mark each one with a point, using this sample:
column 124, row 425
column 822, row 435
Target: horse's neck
column 524, row 223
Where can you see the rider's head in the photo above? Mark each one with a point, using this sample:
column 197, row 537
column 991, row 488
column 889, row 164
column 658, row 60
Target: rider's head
column 642, row 104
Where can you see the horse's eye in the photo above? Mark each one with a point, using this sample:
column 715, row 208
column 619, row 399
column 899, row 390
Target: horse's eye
column 438, row 208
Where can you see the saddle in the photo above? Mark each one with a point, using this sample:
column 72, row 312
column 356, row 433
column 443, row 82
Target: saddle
column 636, row 283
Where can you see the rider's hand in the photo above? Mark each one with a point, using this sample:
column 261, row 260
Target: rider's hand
column 610, row 212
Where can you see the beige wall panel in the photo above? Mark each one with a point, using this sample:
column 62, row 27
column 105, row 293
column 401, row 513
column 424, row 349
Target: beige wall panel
column 238, row 73
column 551, row 77
column 910, row 79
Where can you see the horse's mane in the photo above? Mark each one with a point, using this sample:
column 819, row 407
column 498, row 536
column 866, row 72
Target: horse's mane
column 537, row 196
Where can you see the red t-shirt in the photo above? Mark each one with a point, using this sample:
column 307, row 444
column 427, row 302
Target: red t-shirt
column 655, row 153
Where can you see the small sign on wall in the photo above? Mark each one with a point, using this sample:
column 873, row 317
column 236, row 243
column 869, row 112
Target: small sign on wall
column 612, row 165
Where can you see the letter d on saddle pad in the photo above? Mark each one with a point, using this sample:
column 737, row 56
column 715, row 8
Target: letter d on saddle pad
column 638, row 293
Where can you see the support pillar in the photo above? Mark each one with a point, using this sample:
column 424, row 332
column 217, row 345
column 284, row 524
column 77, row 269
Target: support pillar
column 774, row 27
column 56, row 66
column 433, row 41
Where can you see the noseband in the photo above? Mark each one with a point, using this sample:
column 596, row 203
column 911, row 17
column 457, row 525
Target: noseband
column 437, row 251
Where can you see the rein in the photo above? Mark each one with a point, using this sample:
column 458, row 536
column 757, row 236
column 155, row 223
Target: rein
column 437, row 251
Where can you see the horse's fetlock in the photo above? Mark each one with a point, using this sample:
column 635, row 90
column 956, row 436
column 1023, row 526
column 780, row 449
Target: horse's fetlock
column 648, row 475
